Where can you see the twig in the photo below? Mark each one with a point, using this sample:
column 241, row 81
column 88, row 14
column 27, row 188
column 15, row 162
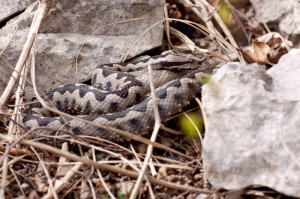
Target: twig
column 66, row 192
column 205, row 128
column 88, row 179
column 167, row 27
column 169, row 130
column 202, row 113
column 52, row 190
column 101, row 178
column 4, row 172
column 18, row 181
column 153, row 136
column 19, row 98
column 157, row 145
column 147, row 180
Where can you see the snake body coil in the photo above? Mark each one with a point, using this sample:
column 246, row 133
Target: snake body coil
column 118, row 97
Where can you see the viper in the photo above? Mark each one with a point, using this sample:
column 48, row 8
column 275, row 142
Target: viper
column 119, row 97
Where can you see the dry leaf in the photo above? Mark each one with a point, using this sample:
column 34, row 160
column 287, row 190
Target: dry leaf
column 260, row 54
column 276, row 41
column 267, row 49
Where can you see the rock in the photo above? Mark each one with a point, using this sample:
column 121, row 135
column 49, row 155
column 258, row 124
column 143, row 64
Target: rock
column 285, row 12
column 10, row 8
column 269, row 10
column 253, row 119
column 70, row 24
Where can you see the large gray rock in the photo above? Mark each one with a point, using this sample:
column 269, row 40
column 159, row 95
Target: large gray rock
column 70, row 24
column 285, row 12
column 10, row 8
column 253, row 132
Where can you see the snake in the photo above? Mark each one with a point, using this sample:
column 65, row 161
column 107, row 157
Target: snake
column 119, row 97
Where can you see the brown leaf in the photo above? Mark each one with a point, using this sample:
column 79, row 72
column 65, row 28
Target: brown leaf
column 277, row 43
column 267, row 49
column 260, row 54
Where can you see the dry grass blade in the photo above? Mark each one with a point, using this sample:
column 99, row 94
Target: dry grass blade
column 19, row 99
column 153, row 136
column 4, row 172
column 225, row 45
column 52, row 190
column 18, row 181
column 148, row 184
column 205, row 128
column 202, row 113
column 195, row 126
column 191, row 45
column 101, row 178
column 43, row 8
column 169, row 130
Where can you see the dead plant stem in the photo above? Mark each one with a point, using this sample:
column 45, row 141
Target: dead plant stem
column 41, row 12
column 153, row 136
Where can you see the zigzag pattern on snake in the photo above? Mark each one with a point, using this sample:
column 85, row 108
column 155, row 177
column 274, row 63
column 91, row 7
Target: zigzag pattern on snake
column 119, row 97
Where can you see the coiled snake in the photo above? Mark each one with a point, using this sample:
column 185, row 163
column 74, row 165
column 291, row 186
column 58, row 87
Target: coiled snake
column 118, row 97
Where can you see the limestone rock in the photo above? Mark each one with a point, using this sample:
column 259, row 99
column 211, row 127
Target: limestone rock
column 70, row 24
column 253, row 132
column 10, row 8
column 286, row 12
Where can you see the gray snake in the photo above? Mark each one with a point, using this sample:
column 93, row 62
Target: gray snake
column 119, row 97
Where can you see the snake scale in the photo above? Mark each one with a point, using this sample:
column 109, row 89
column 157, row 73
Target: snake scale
column 119, row 97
